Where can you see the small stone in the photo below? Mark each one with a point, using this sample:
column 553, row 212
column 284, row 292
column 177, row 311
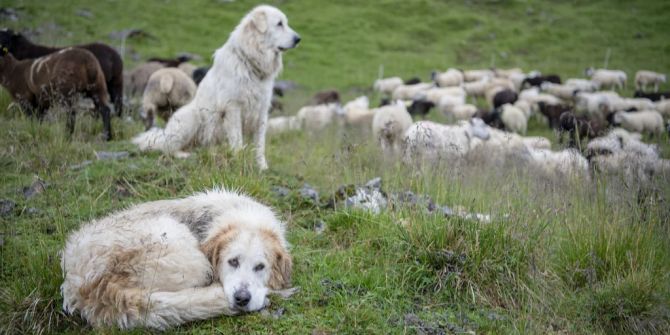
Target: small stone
column 375, row 183
column 280, row 191
column 32, row 211
column 6, row 207
column 309, row 193
column 37, row 187
column 81, row 165
column 102, row 155
column 319, row 226
column 84, row 13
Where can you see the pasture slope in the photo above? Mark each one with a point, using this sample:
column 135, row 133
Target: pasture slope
column 558, row 257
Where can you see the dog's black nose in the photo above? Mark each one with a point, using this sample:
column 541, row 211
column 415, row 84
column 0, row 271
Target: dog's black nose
column 242, row 298
column 296, row 40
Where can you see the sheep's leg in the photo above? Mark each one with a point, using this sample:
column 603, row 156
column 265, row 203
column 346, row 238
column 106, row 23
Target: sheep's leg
column 115, row 89
column 71, row 116
column 103, row 108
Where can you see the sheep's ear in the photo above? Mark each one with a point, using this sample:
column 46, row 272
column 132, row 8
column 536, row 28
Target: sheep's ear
column 259, row 21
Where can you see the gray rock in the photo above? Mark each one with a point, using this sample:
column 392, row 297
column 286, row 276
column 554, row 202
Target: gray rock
column 369, row 199
column 37, row 187
column 309, row 193
column 32, row 211
column 375, row 183
column 319, row 226
column 84, row 13
column 81, row 165
column 102, row 155
column 9, row 14
column 280, row 191
column 276, row 314
column 6, row 207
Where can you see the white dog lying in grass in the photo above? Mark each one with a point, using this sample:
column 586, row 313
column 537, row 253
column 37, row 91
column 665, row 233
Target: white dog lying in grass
column 234, row 97
column 163, row 263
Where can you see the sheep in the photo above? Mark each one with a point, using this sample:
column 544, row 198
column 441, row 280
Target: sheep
column 434, row 95
column 620, row 140
column 386, row 86
column 459, row 112
column 281, row 124
column 580, row 126
column 357, row 112
column 167, row 90
column 199, row 74
column 507, row 73
column 644, row 78
column 36, row 84
column 649, row 121
column 137, row 78
column 420, row 107
column 628, row 104
column 564, row 92
column 514, row 119
column 170, row 62
column 388, row 126
column 538, row 80
column 594, row 103
column 410, row 92
column 583, row 85
column 427, row 141
column 315, row 118
column 614, row 79
column 477, row 88
column 553, row 113
column 412, row 81
column 110, row 61
column 636, row 170
column 477, row 75
column 657, row 96
column 525, row 107
column 568, row 162
column 663, row 107
column 504, row 96
column 452, row 77
column 188, row 68
column 326, row 97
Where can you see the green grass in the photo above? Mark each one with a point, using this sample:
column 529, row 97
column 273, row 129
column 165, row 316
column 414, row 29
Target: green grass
column 572, row 256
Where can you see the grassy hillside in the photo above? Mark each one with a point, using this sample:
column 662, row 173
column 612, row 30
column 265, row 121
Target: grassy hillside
column 558, row 257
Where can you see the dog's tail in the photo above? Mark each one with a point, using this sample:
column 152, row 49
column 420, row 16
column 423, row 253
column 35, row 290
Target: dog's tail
column 112, row 304
column 152, row 139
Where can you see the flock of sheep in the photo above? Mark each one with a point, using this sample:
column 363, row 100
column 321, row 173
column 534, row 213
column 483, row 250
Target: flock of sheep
column 586, row 109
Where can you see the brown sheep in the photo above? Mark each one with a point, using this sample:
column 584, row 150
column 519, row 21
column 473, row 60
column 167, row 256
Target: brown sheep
column 326, row 97
column 110, row 60
column 36, row 84
column 580, row 126
column 167, row 90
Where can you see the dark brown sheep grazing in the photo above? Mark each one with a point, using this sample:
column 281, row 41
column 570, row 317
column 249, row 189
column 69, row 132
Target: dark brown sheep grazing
column 580, row 126
column 170, row 62
column 420, row 108
column 553, row 113
column 110, row 61
column 504, row 97
column 538, row 80
column 36, row 84
column 412, row 81
column 326, row 97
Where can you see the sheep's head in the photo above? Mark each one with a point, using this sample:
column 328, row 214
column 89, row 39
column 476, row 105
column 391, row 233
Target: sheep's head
column 9, row 38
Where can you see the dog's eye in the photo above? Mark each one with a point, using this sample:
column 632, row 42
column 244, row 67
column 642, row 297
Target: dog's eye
column 234, row 262
column 259, row 267
column 280, row 24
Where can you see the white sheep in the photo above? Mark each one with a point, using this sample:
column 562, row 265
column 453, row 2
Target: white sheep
column 625, row 104
column 357, row 112
column 315, row 118
column 452, row 77
column 524, row 106
column 596, row 103
column 583, row 85
column 460, row 112
column 188, row 68
column 608, row 78
column 477, row 75
column 567, row 162
column 644, row 78
column 427, row 141
column 410, row 92
column 388, row 126
column 564, row 92
column 477, row 88
column 514, row 119
column 281, row 124
column 435, row 94
column 166, row 91
column 386, row 86
column 620, row 140
column 663, row 107
column 643, row 121
column 507, row 73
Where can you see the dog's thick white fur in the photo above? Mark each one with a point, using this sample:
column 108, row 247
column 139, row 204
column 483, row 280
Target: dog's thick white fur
column 163, row 263
column 234, row 98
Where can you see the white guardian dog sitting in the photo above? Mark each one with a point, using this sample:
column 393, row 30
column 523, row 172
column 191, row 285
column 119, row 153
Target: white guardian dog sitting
column 233, row 99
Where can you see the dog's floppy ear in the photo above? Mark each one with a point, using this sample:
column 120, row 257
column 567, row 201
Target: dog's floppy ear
column 213, row 247
column 282, row 267
column 259, row 20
